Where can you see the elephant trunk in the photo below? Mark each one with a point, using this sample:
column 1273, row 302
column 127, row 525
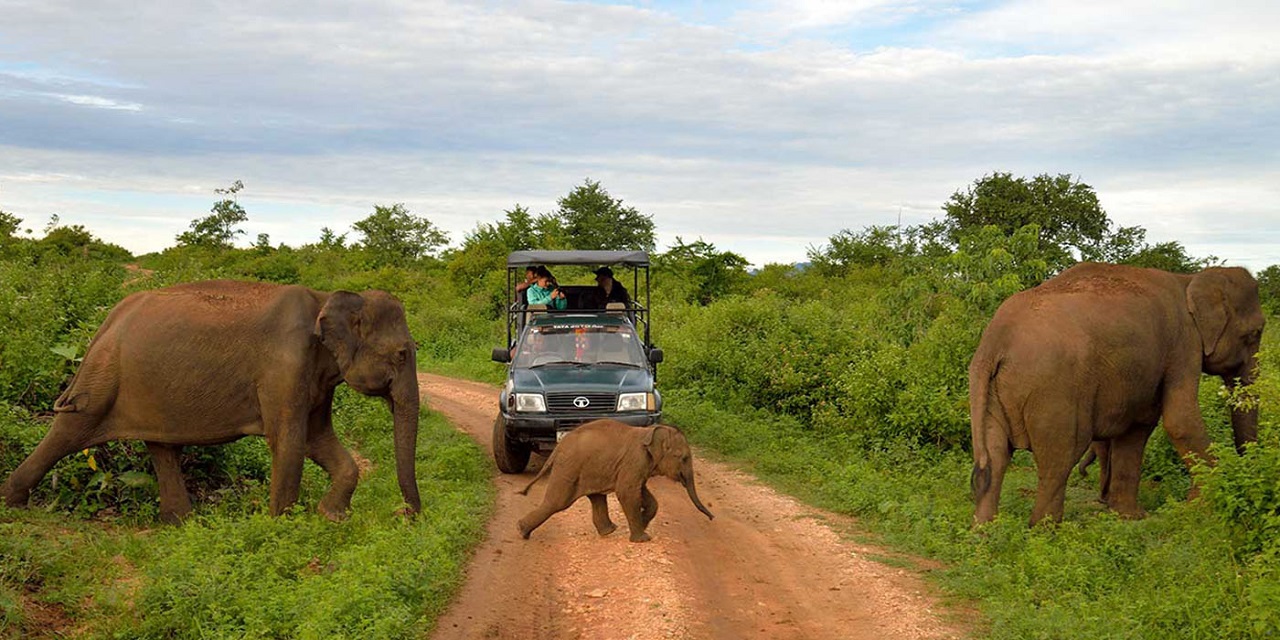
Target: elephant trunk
column 1244, row 421
column 404, row 409
column 687, row 481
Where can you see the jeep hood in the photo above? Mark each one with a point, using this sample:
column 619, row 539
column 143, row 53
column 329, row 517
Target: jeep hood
column 594, row 378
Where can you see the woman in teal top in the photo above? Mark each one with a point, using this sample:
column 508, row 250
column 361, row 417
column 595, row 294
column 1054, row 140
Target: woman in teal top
column 544, row 290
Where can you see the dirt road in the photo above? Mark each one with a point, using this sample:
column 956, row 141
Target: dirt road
column 766, row 567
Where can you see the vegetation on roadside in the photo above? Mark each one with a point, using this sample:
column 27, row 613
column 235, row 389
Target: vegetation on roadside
column 841, row 380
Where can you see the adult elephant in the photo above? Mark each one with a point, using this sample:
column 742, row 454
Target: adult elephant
column 209, row 362
column 1105, row 352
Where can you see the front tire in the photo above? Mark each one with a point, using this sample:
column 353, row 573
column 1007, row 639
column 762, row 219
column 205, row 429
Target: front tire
column 511, row 456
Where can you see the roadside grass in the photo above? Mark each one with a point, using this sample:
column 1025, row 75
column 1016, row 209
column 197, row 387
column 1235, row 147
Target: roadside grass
column 232, row 571
column 1175, row 574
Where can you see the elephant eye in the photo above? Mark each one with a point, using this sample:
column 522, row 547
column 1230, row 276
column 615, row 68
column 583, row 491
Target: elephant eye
column 402, row 354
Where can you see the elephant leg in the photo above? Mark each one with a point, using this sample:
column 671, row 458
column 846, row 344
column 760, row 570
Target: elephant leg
column 326, row 450
column 175, row 504
column 71, row 432
column 1103, row 451
column 648, row 506
column 633, row 506
column 1051, row 488
column 600, row 514
column 555, row 500
column 1184, row 424
column 1126, row 471
column 288, row 443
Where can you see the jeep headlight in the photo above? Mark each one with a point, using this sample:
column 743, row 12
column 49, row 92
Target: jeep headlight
column 531, row 403
column 635, row 402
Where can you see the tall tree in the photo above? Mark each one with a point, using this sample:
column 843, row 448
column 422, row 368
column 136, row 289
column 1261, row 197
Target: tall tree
column 220, row 228
column 711, row 273
column 393, row 235
column 1071, row 221
column 593, row 219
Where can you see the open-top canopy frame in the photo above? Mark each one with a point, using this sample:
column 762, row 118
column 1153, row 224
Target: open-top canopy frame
column 637, row 261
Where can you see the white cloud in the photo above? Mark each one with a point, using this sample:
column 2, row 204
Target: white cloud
column 760, row 133
column 99, row 102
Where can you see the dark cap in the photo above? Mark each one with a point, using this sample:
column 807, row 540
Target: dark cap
column 603, row 271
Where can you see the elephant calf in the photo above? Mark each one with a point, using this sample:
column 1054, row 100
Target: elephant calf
column 209, row 362
column 607, row 455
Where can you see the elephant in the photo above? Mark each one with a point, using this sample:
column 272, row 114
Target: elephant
column 210, row 362
column 607, row 455
column 1103, row 353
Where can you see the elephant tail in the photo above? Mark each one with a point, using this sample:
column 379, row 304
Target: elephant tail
column 981, row 372
column 551, row 459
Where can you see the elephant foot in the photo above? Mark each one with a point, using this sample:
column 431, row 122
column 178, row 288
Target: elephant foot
column 1131, row 513
column 15, row 499
column 606, row 530
column 524, row 531
column 174, row 517
column 333, row 515
column 640, row 537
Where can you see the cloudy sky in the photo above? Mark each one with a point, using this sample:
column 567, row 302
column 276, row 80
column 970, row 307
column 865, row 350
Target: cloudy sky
column 762, row 127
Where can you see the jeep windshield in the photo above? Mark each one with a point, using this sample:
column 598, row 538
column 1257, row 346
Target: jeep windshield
column 579, row 344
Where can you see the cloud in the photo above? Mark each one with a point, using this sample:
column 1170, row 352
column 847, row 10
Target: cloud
column 763, row 129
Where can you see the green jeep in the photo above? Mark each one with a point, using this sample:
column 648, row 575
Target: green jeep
column 571, row 366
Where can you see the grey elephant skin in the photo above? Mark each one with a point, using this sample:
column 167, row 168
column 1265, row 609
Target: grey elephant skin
column 608, row 456
column 1104, row 353
column 210, row 362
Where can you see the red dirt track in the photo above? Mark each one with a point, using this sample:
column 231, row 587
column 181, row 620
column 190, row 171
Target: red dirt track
column 766, row 567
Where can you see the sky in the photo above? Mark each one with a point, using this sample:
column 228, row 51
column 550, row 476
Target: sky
column 763, row 127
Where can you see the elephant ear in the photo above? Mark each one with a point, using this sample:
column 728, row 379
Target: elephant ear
column 338, row 326
column 1207, row 301
column 657, row 442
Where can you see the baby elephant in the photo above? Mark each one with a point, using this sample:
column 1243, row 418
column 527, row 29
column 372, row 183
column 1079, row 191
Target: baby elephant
column 607, row 455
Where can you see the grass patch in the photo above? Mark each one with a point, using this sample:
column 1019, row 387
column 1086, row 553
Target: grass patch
column 1173, row 575
column 234, row 572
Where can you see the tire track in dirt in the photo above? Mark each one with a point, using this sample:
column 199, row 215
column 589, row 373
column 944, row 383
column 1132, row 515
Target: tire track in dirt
column 767, row 567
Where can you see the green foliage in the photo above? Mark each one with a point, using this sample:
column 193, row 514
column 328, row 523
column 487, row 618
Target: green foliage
column 9, row 225
column 234, row 572
column 76, row 242
column 705, row 272
column 219, row 229
column 1066, row 211
column 873, row 246
column 45, row 307
column 590, row 218
column 1269, row 288
column 391, row 235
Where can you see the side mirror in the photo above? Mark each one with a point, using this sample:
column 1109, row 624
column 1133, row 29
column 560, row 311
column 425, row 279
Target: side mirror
column 655, row 355
column 501, row 354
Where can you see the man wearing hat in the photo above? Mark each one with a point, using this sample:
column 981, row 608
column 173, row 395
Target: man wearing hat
column 609, row 290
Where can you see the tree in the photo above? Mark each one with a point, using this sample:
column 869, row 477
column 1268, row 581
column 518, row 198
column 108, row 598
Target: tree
column 393, row 235
column 873, row 246
column 331, row 240
column 219, row 229
column 263, row 243
column 1071, row 222
column 593, row 219
column 711, row 273
column 76, row 241
column 1269, row 288
column 9, row 224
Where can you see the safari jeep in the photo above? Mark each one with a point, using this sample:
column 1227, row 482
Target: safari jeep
column 571, row 366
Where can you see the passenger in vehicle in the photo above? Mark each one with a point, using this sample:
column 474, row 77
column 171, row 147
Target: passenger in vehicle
column 609, row 290
column 530, row 276
column 544, row 290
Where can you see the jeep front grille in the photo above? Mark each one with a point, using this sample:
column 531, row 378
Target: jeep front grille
column 584, row 402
